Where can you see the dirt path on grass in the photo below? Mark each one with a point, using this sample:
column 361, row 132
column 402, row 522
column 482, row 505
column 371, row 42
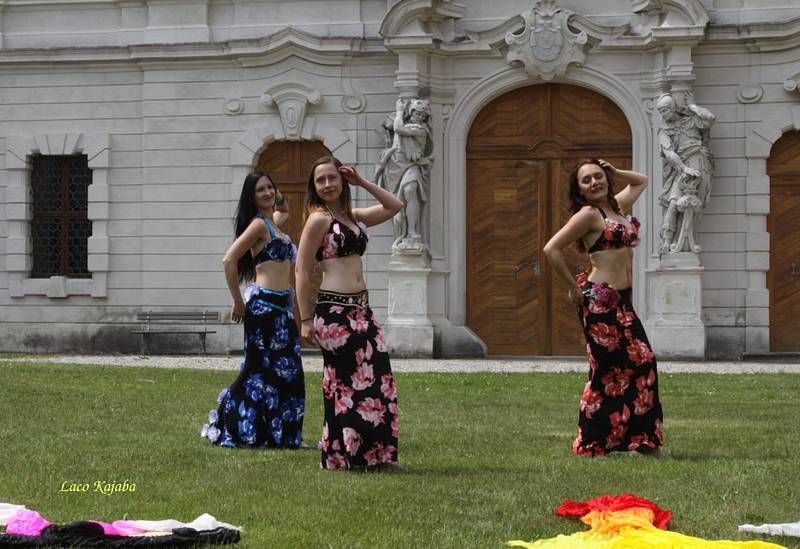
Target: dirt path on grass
column 313, row 363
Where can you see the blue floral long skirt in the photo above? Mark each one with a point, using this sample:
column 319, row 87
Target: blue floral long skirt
column 265, row 406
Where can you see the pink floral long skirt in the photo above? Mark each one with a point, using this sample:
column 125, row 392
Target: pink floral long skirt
column 620, row 407
column 360, row 397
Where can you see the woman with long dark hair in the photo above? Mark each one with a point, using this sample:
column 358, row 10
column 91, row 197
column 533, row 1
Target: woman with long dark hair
column 265, row 406
column 620, row 408
column 360, row 398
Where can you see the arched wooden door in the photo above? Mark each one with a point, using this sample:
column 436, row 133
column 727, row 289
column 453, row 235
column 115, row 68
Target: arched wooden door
column 520, row 150
column 287, row 163
column 783, row 224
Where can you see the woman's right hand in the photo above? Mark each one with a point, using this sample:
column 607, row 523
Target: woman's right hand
column 307, row 331
column 576, row 296
column 237, row 312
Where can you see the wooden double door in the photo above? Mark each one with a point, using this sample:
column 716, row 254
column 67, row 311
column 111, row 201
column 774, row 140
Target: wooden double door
column 520, row 150
column 783, row 224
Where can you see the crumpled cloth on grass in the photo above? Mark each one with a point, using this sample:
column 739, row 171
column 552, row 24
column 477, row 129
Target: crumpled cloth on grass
column 785, row 529
column 628, row 522
column 8, row 510
column 576, row 509
column 27, row 528
column 26, row 523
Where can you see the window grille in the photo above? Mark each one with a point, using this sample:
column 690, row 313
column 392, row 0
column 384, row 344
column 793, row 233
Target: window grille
column 60, row 229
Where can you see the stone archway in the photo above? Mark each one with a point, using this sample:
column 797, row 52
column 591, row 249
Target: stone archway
column 458, row 127
column 520, row 150
column 758, row 251
column 783, row 226
column 248, row 148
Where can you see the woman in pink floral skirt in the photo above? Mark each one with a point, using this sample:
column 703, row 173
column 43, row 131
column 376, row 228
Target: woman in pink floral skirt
column 620, row 407
column 360, row 425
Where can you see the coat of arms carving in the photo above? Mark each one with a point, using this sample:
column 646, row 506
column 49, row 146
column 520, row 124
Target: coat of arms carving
column 546, row 46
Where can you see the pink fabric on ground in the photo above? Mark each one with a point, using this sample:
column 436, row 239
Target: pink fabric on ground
column 108, row 529
column 26, row 523
column 125, row 528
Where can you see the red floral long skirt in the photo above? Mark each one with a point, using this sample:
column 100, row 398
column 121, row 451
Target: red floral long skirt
column 620, row 408
column 360, row 397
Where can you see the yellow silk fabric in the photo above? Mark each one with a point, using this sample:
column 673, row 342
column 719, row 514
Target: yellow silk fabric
column 633, row 528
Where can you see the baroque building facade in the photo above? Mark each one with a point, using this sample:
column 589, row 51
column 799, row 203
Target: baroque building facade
column 170, row 103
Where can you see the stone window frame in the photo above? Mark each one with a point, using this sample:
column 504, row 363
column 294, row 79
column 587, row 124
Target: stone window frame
column 19, row 208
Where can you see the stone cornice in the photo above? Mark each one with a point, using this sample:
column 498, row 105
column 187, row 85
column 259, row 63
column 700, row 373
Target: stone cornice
column 245, row 52
column 765, row 37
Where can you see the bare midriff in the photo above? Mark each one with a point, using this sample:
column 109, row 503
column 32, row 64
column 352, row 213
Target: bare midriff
column 274, row 275
column 613, row 267
column 343, row 274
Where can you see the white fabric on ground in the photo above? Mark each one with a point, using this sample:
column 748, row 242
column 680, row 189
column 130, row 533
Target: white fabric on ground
column 785, row 529
column 8, row 510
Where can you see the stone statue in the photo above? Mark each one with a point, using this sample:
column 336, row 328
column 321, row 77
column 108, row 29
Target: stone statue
column 403, row 168
column 688, row 168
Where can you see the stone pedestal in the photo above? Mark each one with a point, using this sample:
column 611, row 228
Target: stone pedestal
column 408, row 331
column 674, row 294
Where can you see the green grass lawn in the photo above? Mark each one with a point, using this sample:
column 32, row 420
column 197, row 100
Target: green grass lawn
column 486, row 458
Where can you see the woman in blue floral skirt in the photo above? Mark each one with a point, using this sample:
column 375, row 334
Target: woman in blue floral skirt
column 620, row 407
column 265, row 406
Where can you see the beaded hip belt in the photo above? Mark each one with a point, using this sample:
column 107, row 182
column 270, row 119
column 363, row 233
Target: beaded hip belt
column 360, row 299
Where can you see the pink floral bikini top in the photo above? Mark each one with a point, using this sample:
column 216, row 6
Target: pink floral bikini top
column 616, row 234
column 341, row 240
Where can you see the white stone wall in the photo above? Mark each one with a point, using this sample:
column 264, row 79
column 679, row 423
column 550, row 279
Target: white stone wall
column 156, row 75
column 172, row 195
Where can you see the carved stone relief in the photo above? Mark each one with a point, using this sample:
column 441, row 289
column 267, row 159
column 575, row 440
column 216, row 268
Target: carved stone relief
column 749, row 93
column 291, row 100
column 546, row 46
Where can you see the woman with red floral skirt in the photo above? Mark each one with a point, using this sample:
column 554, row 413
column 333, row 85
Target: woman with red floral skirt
column 620, row 407
column 360, row 427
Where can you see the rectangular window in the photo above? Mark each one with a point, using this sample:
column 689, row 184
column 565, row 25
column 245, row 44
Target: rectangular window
column 60, row 229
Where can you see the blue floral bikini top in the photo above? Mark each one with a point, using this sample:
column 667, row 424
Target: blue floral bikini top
column 277, row 248
column 616, row 234
column 341, row 240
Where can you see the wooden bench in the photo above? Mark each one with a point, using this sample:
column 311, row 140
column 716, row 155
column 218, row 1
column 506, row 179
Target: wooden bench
column 154, row 322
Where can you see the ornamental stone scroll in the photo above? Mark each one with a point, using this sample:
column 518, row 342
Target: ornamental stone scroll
column 291, row 100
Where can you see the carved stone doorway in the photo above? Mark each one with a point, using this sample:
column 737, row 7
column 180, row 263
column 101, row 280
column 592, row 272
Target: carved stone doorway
column 520, row 150
column 783, row 226
column 287, row 163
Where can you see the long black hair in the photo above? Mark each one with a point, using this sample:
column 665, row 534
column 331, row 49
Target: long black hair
column 245, row 212
column 578, row 201
column 314, row 202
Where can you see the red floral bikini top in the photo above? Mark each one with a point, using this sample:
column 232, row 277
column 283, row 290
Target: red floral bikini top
column 341, row 240
column 616, row 234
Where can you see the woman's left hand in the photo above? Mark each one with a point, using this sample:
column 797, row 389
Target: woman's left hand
column 351, row 175
column 607, row 165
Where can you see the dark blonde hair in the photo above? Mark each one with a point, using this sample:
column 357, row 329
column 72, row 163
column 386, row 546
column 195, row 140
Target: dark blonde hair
column 314, row 202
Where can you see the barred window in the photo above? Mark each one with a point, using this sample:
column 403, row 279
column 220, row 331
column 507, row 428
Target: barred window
column 60, row 229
